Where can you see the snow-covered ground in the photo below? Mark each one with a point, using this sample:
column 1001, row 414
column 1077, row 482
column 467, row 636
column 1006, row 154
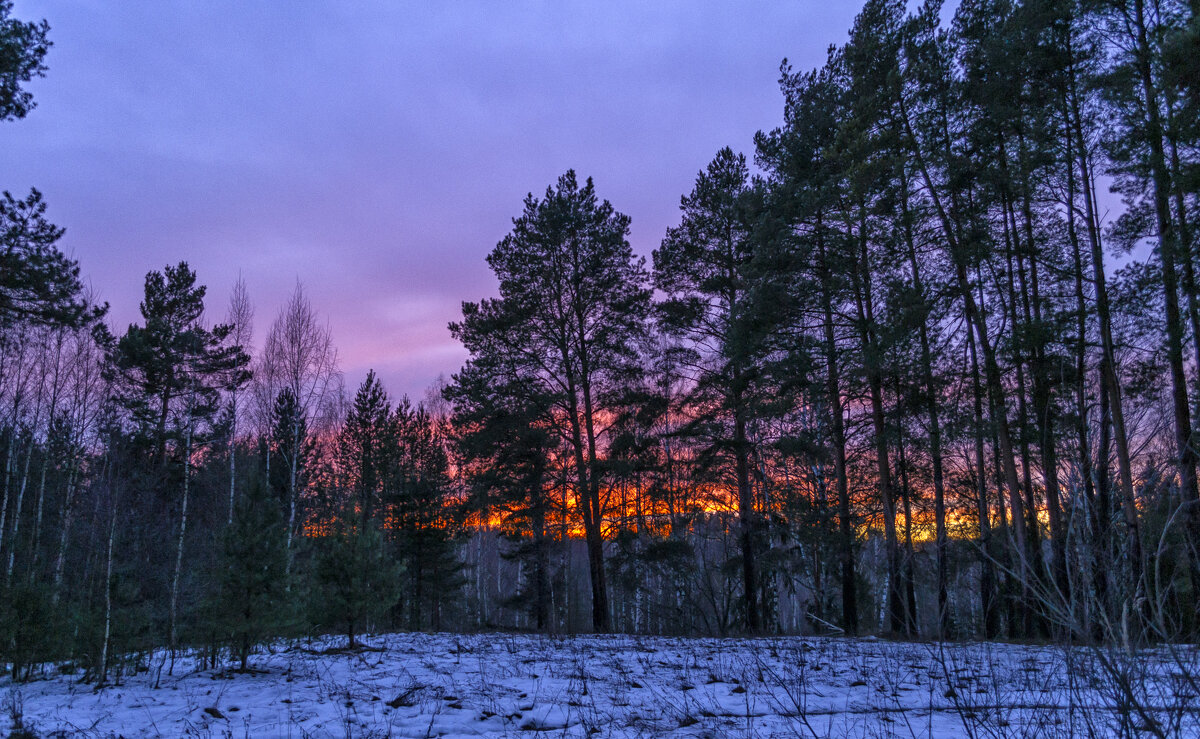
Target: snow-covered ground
column 417, row 685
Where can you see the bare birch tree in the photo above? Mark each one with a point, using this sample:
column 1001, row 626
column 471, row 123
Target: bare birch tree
column 241, row 318
column 299, row 356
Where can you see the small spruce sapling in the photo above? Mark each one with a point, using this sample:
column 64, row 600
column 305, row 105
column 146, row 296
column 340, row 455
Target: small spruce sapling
column 252, row 602
column 354, row 580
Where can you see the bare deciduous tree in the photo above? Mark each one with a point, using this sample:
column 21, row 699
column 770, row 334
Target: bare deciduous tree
column 241, row 318
column 299, row 356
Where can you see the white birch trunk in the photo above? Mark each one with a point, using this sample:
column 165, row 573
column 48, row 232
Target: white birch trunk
column 64, row 534
column 183, row 514
column 108, row 562
column 16, row 527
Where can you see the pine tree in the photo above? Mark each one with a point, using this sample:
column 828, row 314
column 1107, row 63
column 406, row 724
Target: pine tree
column 701, row 267
column 367, row 447
column 573, row 306
column 424, row 514
column 801, row 270
column 354, row 580
column 252, row 598
column 38, row 283
column 1142, row 147
column 506, row 447
column 169, row 372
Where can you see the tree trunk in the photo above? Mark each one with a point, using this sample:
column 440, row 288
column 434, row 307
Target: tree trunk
column 15, row 541
column 108, row 584
column 838, row 442
column 232, row 457
column 987, row 580
column 601, row 618
column 1169, row 255
column 292, row 494
column 991, row 368
column 1043, row 411
column 1081, row 323
column 931, row 409
column 1034, row 575
column 1112, row 416
column 541, row 565
column 183, row 518
column 13, row 440
column 866, row 318
column 746, row 517
column 1187, row 258
column 911, row 622
column 66, row 517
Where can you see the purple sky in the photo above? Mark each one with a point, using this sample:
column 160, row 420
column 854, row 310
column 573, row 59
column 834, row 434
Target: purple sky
column 378, row 151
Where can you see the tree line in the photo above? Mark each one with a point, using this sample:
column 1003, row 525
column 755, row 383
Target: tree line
column 905, row 370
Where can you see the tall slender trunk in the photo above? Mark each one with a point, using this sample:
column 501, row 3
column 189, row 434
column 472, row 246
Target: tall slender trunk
column 1112, row 416
column 1043, row 411
column 1186, row 252
column 591, row 526
column 13, row 440
column 183, row 519
column 232, row 455
column 911, row 622
column 1102, row 512
column 833, row 392
column 931, row 409
column 18, row 504
column 873, row 368
column 575, row 322
column 1187, row 257
column 55, row 393
column 977, row 321
column 66, row 517
column 1081, row 317
column 601, row 618
column 746, row 518
column 1034, row 540
column 293, row 494
column 1015, row 268
column 987, row 580
column 39, row 506
column 747, row 515
column 1169, row 255
column 105, row 645
column 541, row 562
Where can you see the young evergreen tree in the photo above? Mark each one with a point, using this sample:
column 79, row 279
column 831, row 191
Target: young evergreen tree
column 424, row 515
column 354, row 580
column 367, row 447
column 506, row 447
column 252, row 598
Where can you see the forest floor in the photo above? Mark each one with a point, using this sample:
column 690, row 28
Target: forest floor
column 419, row 685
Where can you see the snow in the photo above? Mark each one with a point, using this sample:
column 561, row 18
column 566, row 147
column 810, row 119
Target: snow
column 418, row 685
